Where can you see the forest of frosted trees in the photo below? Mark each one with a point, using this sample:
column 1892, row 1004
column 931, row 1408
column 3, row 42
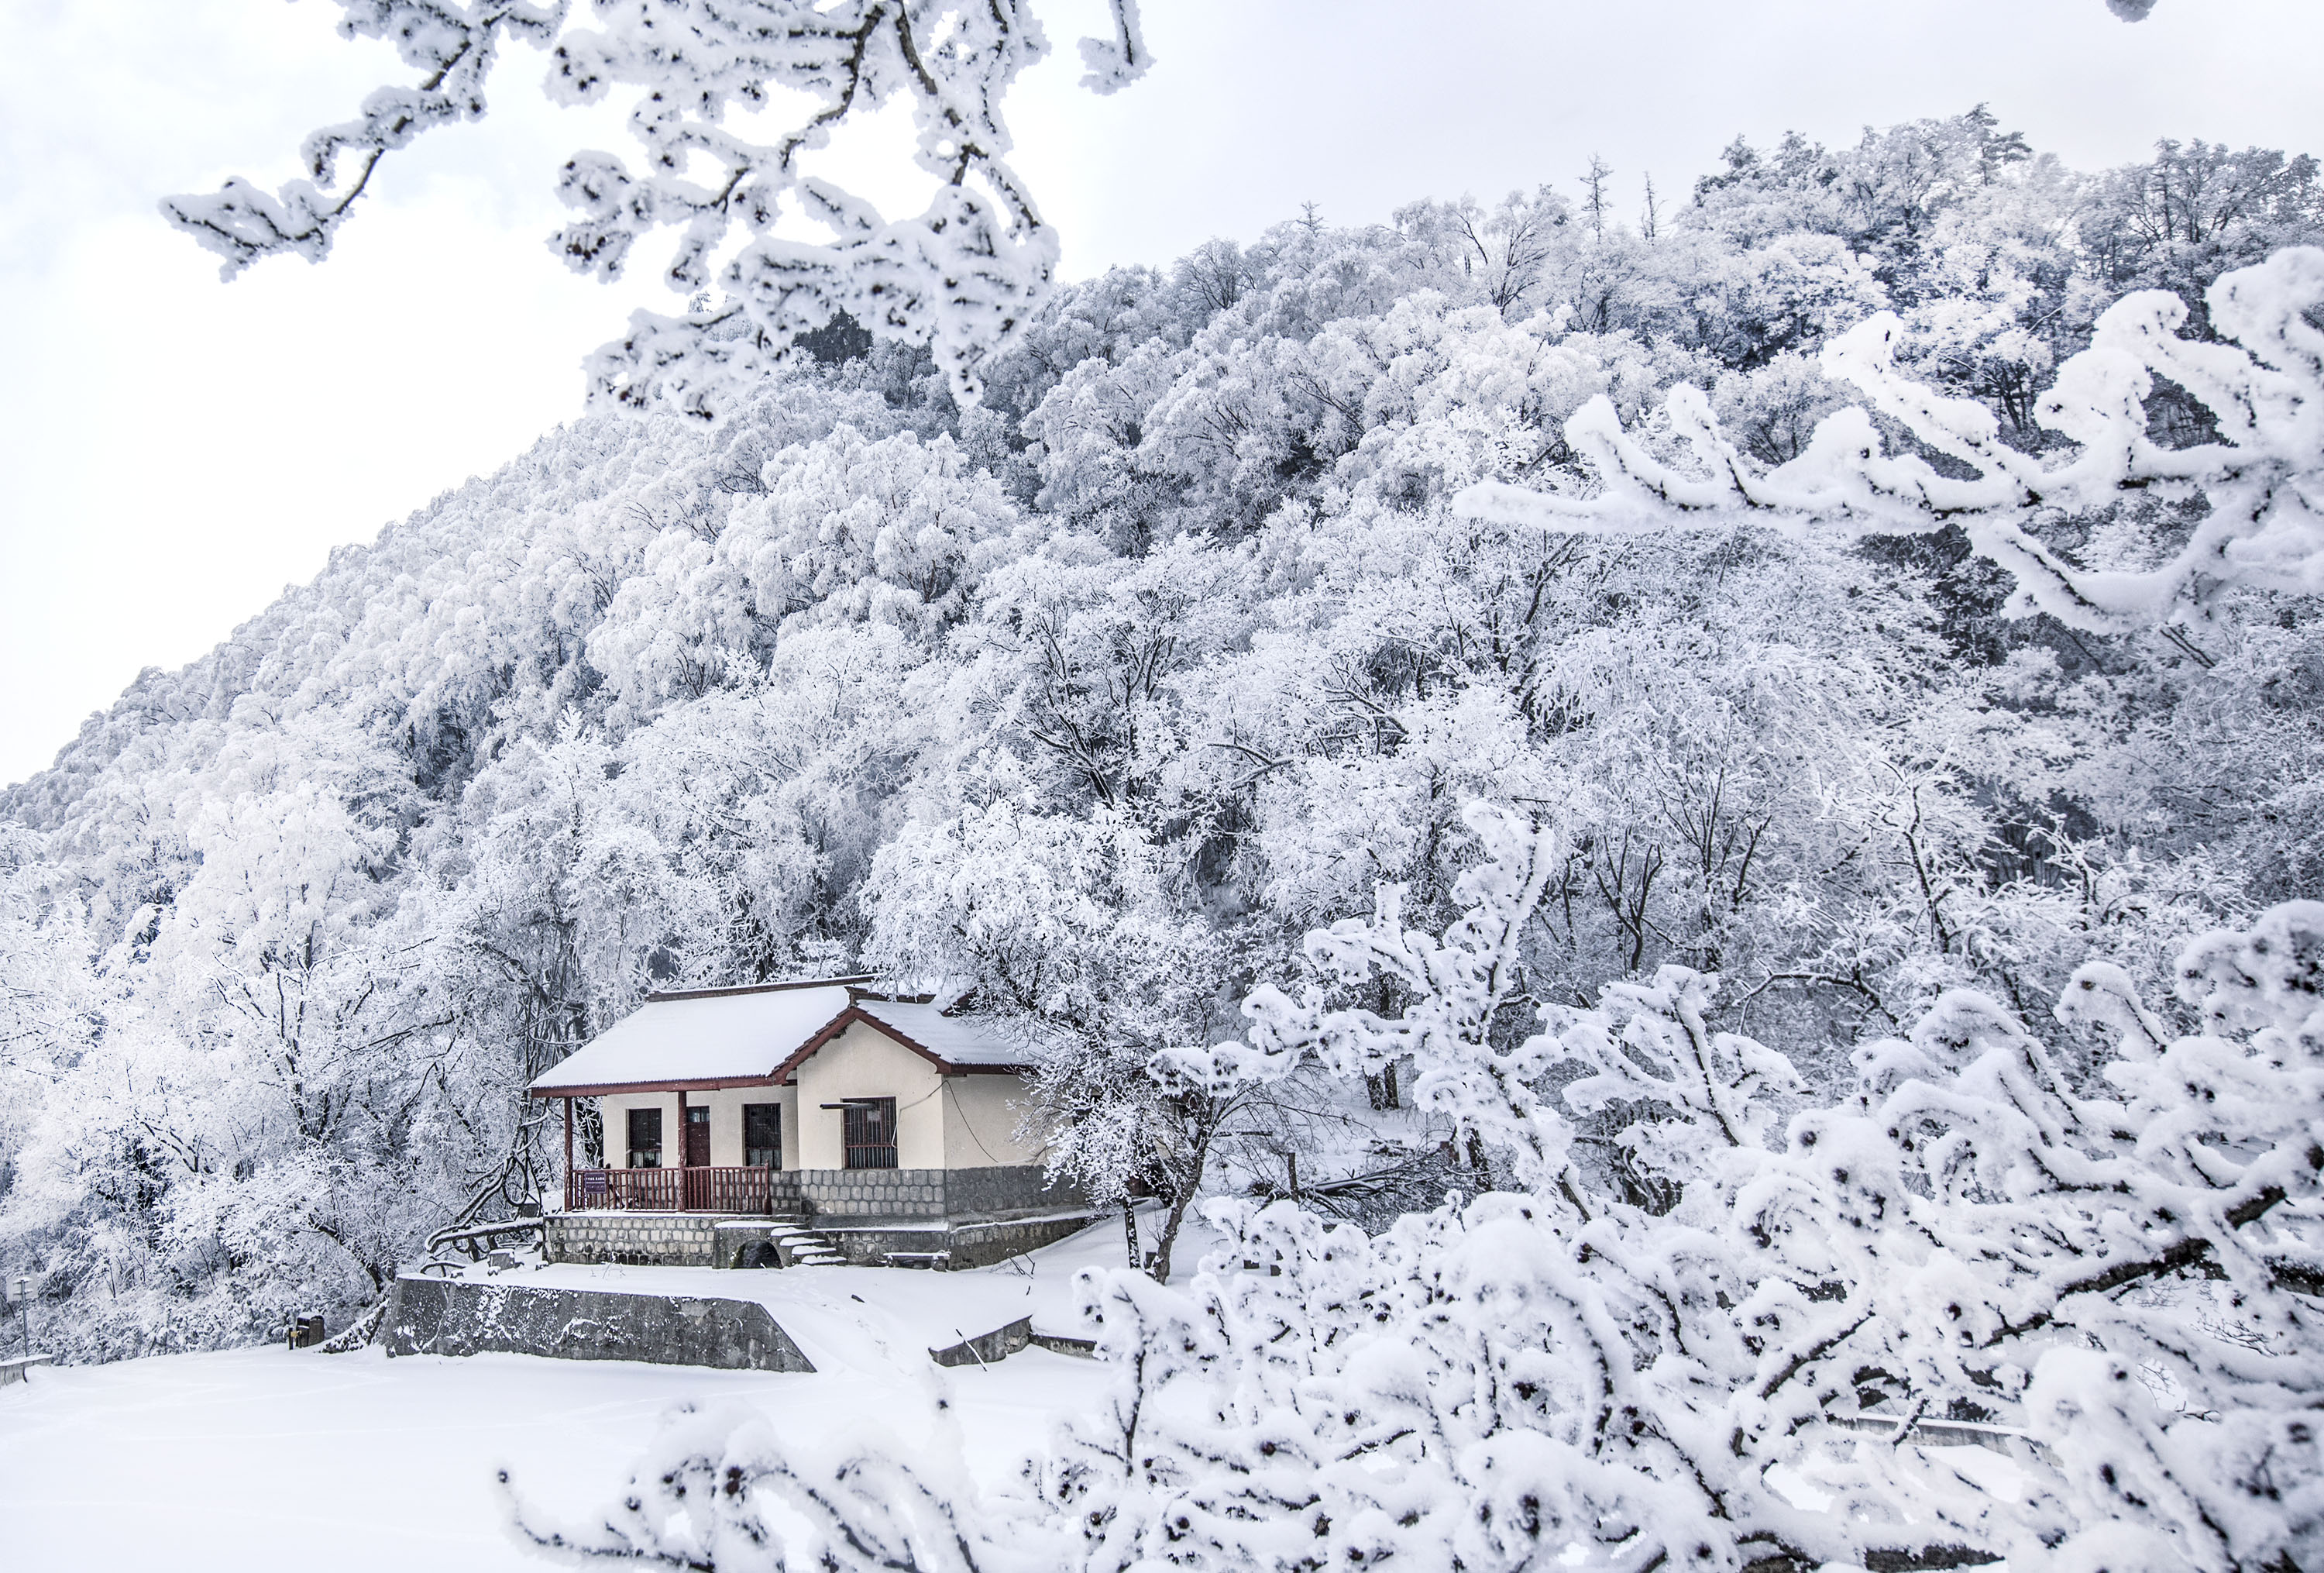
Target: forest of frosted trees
column 1088, row 703
column 1095, row 698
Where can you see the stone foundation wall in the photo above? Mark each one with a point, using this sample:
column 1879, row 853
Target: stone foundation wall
column 970, row 1244
column 430, row 1316
column 977, row 1214
column 872, row 1193
column 932, row 1193
column 982, row 1244
column 992, row 1193
column 633, row 1239
column 746, row 1243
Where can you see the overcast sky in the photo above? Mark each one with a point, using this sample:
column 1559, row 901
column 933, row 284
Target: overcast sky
column 173, row 450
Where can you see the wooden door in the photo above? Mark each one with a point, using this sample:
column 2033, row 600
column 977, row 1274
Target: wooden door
column 698, row 1159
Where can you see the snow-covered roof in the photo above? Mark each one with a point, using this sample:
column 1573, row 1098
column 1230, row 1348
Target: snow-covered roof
column 756, row 1034
column 952, row 1039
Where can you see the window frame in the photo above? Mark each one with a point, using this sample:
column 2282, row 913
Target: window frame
column 774, row 1116
column 649, row 1123
column 860, row 1134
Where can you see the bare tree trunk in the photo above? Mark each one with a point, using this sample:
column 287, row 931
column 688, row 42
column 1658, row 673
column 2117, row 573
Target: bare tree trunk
column 1183, row 1193
column 1170, row 1223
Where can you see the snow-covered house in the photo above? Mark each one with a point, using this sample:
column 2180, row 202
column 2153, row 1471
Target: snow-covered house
column 888, row 1126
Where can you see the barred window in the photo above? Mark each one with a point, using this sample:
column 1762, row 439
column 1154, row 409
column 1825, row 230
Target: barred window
column 870, row 1128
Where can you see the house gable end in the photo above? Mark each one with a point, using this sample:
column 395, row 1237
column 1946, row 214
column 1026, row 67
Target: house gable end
column 787, row 1073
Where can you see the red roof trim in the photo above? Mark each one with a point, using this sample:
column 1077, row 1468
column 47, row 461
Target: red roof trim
column 830, row 1030
column 619, row 1088
column 855, row 1012
column 947, row 1067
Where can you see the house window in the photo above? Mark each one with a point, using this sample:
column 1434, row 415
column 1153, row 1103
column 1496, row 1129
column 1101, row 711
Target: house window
column 869, row 1127
column 645, row 1138
column 762, row 1135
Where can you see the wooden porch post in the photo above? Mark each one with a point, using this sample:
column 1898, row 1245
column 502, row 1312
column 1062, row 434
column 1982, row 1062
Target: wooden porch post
column 568, row 1152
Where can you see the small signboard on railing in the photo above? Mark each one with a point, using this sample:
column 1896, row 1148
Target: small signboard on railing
column 594, row 1182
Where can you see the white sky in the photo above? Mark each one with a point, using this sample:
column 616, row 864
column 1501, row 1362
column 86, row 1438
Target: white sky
column 173, row 450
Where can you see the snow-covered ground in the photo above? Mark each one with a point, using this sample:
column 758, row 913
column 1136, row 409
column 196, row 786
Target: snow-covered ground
column 260, row 1458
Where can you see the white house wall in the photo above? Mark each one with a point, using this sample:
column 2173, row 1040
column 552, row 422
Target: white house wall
column 981, row 1117
column 615, row 1111
column 865, row 1062
column 725, row 1123
column 942, row 1122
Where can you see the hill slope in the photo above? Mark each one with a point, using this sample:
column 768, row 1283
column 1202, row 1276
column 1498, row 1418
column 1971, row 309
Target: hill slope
column 1098, row 697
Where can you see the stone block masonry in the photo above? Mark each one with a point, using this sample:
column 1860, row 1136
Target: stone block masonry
column 633, row 1239
column 964, row 1245
column 874, row 1193
column 958, row 1194
column 430, row 1316
column 978, row 1216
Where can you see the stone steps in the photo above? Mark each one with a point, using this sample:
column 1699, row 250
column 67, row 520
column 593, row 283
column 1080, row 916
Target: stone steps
column 800, row 1246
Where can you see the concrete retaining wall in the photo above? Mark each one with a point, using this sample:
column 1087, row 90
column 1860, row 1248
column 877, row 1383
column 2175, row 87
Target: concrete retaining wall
column 20, row 1369
column 431, row 1315
column 987, row 1347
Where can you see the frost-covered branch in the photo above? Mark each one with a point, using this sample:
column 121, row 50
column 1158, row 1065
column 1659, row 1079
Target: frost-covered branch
column 962, row 277
column 455, row 47
column 2262, row 479
column 716, row 1491
column 1463, row 985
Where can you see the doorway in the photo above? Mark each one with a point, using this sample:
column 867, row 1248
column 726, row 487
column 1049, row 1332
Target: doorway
column 696, row 1176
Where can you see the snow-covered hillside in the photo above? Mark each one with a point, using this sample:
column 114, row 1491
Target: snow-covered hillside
column 1100, row 696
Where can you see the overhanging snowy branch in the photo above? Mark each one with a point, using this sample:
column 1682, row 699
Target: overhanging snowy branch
column 962, row 277
column 2263, row 479
column 455, row 47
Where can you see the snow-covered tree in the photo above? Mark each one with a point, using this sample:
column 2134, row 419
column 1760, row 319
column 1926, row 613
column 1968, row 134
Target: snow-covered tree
column 1059, row 931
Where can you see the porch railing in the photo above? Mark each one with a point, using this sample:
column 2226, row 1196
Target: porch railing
column 671, row 1190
